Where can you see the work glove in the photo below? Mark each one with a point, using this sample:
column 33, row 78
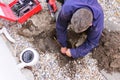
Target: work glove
column 53, row 4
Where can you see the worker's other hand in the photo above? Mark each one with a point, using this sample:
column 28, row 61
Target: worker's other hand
column 68, row 53
column 53, row 5
column 63, row 50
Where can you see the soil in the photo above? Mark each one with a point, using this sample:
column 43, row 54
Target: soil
column 108, row 51
column 42, row 32
column 46, row 41
column 39, row 23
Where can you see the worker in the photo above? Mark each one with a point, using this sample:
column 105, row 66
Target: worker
column 84, row 15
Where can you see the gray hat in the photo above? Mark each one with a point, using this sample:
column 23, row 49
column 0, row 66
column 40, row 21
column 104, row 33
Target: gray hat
column 81, row 20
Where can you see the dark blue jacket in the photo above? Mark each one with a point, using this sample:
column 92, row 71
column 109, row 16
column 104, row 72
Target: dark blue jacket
column 93, row 32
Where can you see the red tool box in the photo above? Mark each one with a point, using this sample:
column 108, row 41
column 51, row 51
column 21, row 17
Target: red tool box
column 19, row 11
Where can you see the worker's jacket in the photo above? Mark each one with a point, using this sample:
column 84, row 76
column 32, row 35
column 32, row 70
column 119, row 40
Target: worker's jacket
column 93, row 32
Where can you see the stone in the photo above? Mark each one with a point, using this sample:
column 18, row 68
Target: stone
column 115, row 63
column 27, row 74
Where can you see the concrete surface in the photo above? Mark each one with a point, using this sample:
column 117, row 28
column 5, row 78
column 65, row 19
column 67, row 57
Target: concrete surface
column 8, row 65
column 112, row 76
column 112, row 26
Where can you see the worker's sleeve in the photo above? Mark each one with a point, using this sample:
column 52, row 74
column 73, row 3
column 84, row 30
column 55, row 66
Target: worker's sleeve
column 93, row 36
column 64, row 18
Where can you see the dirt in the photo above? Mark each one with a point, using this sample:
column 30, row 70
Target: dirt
column 37, row 24
column 46, row 41
column 42, row 32
column 108, row 51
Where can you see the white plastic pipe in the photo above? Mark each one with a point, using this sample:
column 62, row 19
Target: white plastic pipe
column 33, row 62
column 7, row 35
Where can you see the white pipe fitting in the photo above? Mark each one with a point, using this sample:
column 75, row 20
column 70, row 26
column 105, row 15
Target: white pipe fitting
column 7, row 35
column 28, row 57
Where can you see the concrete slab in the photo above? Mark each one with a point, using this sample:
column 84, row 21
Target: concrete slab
column 6, row 1
column 112, row 76
column 8, row 65
column 112, row 26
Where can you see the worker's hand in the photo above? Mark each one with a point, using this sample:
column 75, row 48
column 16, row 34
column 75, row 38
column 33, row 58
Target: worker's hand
column 53, row 5
column 68, row 53
column 63, row 50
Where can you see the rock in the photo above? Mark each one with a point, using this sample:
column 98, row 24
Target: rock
column 115, row 63
column 28, row 29
column 25, row 33
column 80, row 40
column 116, row 56
column 27, row 74
column 106, row 44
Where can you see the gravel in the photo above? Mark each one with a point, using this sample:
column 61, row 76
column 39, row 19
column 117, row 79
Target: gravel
column 51, row 65
column 111, row 10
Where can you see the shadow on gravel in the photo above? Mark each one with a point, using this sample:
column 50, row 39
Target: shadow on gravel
column 46, row 41
column 108, row 52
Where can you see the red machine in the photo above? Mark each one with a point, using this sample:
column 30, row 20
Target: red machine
column 19, row 10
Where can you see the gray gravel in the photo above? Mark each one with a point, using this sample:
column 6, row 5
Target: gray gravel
column 51, row 65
